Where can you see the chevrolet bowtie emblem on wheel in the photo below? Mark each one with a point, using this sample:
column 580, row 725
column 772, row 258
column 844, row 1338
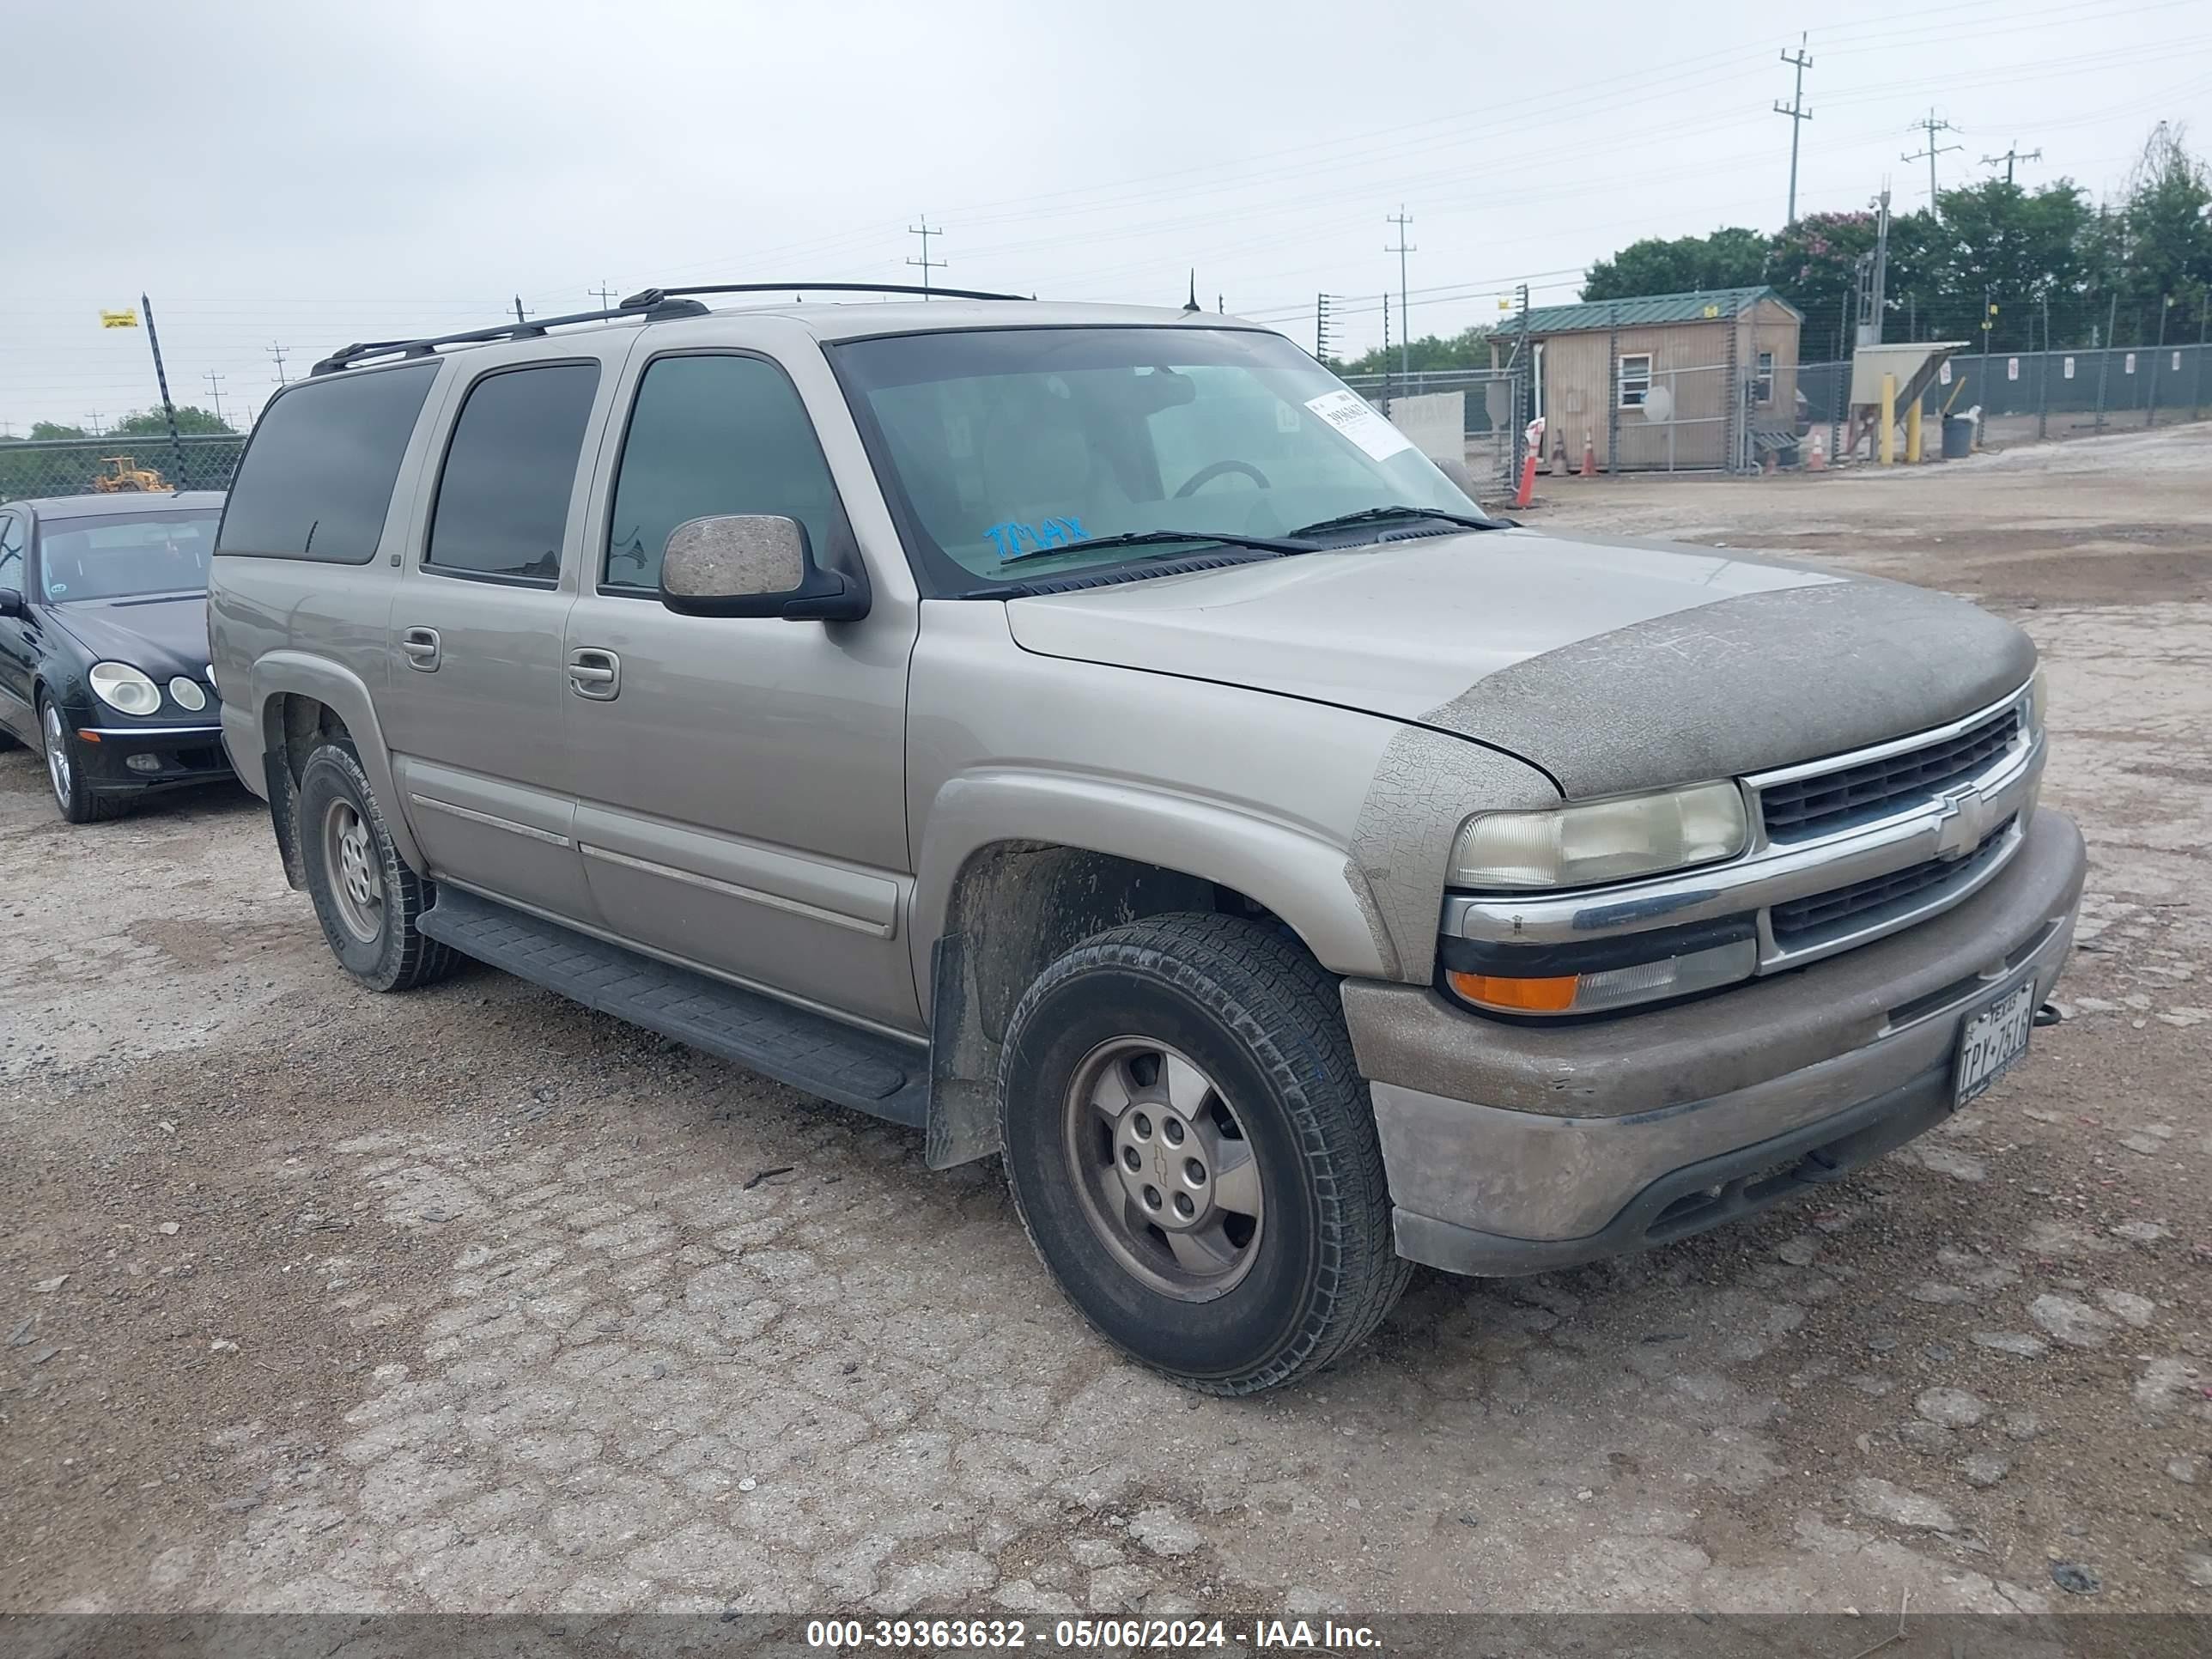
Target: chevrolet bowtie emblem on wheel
column 1964, row 822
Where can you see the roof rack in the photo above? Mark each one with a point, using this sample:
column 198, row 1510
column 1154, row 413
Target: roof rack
column 652, row 295
column 656, row 308
column 651, row 304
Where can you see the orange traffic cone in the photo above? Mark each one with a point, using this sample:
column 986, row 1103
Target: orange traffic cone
column 1817, row 461
column 1589, row 454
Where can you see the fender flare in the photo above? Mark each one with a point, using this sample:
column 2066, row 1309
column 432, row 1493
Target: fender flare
column 1311, row 883
column 297, row 673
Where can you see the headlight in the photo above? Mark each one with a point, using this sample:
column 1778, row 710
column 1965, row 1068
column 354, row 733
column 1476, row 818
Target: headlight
column 121, row 686
column 188, row 694
column 1601, row 841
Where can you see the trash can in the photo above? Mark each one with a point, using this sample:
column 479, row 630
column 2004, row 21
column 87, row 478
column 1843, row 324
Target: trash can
column 1958, row 437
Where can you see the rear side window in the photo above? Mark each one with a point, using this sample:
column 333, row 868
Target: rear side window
column 316, row 479
column 502, row 508
column 709, row 435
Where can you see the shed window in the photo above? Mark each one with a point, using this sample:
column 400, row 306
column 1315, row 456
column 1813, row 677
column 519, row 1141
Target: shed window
column 1762, row 383
column 1635, row 379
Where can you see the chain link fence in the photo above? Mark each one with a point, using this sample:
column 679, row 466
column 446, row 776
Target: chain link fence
column 2025, row 395
column 78, row 466
column 1495, row 410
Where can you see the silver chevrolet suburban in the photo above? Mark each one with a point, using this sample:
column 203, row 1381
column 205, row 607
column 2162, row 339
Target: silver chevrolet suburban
column 1095, row 737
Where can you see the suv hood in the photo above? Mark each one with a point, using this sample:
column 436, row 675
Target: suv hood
column 1612, row 665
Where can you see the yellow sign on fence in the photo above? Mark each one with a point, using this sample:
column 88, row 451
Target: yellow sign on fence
column 119, row 319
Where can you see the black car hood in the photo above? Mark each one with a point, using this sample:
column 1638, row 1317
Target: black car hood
column 165, row 634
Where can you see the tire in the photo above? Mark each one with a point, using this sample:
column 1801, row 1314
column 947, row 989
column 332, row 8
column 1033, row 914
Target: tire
column 365, row 897
column 1310, row 1271
column 72, row 794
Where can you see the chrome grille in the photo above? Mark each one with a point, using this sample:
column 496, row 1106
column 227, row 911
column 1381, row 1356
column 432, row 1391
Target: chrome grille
column 1795, row 919
column 1830, row 800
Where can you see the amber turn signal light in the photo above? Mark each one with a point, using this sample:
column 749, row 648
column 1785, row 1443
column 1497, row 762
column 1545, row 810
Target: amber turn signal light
column 1515, row 995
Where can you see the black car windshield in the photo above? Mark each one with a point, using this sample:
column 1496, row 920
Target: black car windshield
column 121, row 555
column 1001, row 442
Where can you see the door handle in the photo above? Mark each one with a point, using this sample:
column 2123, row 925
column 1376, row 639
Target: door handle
column 421, row 644
column 595, row 674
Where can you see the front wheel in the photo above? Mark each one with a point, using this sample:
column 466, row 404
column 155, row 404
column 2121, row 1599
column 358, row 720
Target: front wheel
column 1191, row 1148
column 65, row 772
column 365, row 897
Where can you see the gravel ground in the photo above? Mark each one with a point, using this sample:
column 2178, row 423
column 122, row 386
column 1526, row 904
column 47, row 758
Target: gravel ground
column 311, row 1299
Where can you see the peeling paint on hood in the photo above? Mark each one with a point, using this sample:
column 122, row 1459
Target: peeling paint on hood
column 1612, row 665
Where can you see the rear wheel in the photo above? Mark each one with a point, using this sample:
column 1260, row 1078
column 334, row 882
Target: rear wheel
column 65, row 772
column 365, row 897
column 1192, row 1151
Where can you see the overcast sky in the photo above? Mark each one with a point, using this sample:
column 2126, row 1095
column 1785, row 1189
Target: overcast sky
column 301, row 174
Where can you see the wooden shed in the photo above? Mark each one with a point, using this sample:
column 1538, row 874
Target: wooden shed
column 1665, row 381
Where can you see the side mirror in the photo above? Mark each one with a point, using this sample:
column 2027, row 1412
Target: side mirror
column 11, row 602
column 753, row 564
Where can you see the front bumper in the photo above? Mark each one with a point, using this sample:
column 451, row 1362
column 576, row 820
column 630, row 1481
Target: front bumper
column 1514, row 1149
column 180, row 754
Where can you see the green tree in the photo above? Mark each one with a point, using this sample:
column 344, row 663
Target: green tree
column 1731, row 257
column 1469, row 348
column 2000, row 245
column 2159, row 244
column 54, row 429
column 1814, row 264
column 153, row 423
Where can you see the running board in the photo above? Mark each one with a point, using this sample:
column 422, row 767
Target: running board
column 870, row 1074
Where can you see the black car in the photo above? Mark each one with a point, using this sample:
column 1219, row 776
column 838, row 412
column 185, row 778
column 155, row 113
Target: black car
column 103, row 644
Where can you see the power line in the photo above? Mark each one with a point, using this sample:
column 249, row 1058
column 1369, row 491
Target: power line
column 1405, row 320
column 603, row 294
column 276, row 352
column 215, row 391
column 1798, row 114
column 1932, row 127
column 927, row 263
column 2015, row 154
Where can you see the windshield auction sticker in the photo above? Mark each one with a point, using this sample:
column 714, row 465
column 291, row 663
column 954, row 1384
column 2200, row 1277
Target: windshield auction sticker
column 1353, row 416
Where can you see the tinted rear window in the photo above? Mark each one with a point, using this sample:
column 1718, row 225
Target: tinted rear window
column 317, row 476
column 503, row 500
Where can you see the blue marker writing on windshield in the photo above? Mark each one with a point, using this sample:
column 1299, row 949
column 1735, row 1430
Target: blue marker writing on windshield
column 1010, row 536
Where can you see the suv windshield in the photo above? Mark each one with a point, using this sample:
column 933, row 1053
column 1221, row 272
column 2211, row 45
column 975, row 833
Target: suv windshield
column 120, row 555
column 1000, row 442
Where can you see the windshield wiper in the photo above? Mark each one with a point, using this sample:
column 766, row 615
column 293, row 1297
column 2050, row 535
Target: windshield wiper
column 1155, row 538
column 1377, row 515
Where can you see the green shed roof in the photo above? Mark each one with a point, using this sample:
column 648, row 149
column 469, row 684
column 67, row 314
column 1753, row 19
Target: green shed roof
column 1645, row 310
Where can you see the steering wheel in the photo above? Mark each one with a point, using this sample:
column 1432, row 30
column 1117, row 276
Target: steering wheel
column 1207, row 474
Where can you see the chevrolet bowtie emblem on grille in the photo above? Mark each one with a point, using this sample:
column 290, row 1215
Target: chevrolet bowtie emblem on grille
column 1964, row 822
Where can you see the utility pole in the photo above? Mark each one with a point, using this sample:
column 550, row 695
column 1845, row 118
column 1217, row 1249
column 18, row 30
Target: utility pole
column 603, row 294
column 1321, row 328
column 521, row 315
column 2015, row 154
column 276, row 352
column 1874, row 278
column 92, row 420
column 215, row 391
column 1929, row 124
column 1798, row 114
column 161, row 379
column 927, row 263
column 1405, row 324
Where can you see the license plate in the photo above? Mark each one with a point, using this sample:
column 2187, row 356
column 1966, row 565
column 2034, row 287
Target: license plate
column 1993, row 1042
